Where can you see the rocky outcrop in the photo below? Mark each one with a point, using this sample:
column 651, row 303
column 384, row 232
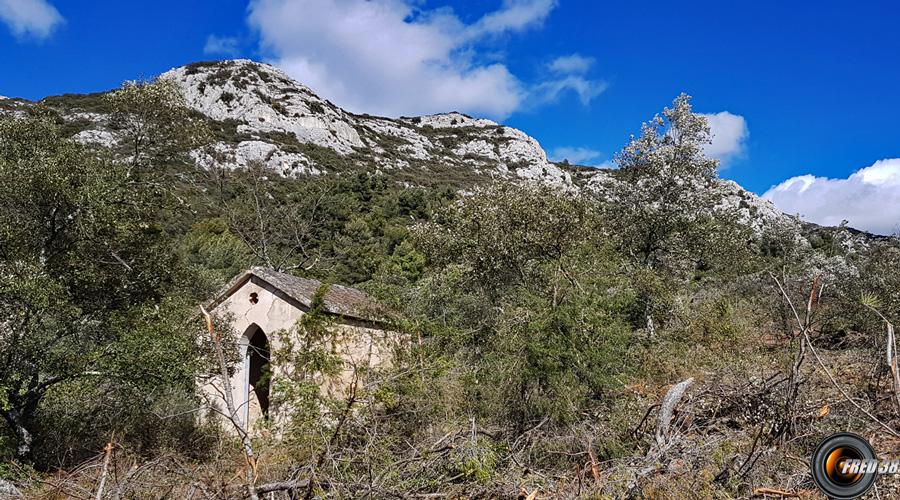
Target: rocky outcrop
column 262, row 100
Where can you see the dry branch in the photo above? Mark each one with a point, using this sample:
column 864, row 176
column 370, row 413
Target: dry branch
column 232, row 411
column 667, row 408
column 804, row 332
column 107, row 454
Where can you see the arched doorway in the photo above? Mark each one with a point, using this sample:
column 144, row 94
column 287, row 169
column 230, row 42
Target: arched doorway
column 259, row 375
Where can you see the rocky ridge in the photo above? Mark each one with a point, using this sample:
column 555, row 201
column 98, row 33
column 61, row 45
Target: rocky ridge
column 263, row 116
column 284, row 124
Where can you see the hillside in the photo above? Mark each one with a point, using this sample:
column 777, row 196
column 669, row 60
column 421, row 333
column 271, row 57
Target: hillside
column 652, row 331
column 260, row 114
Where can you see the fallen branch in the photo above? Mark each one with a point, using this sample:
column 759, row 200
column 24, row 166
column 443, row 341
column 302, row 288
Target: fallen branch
column 667, row 408
column 281, row 486
column 773, row 491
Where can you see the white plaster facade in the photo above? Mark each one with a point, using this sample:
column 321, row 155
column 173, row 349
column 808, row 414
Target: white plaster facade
column 264, row 301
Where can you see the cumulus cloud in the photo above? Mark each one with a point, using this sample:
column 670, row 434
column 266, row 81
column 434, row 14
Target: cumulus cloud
column 395, row 57
column 867, row 199
column 729, row 135
column 575, row 154
column 30, row 18
column 221, row 45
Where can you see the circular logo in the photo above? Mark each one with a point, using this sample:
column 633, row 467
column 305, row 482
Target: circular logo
column 841, row 466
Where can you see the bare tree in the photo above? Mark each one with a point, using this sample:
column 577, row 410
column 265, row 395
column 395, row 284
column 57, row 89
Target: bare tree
column 279, row 227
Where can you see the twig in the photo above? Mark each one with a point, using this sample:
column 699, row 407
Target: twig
column 641, row 423
column 595, row 469
column 773, row 491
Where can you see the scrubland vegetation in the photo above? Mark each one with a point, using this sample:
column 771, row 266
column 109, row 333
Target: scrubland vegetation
column 549, row 332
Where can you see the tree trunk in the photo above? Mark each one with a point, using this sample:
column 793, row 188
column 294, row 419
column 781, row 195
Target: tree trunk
column 16, row 422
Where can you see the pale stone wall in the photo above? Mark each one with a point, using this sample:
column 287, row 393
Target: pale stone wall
column 358, row 343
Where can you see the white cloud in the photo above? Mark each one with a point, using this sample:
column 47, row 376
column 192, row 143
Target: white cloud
column 515, row 15
column 393, row 57
column 30, row 18
column 584, row 88
column 577, row 155
column 568, row 74
column 574, row 63
column 868, row 199
column 223, row 45
column 729, row 135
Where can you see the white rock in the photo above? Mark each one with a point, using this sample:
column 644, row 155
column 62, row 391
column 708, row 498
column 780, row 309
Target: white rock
column 103, row 138
column 478, row 147
column 246, row 153
column 9, row 490
column 448, row 120
column 416, row 145
column 266, row 100
column 263, row 99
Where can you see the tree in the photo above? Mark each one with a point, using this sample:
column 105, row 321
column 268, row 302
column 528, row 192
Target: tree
column 81, row 252
column 664, row 208
column 155, row 122
column 279, row 221
column 527, row 298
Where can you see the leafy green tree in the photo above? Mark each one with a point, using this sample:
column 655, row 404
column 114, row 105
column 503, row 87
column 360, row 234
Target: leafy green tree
column 213, row 254
column 281, row 222
column 665, row 210
column 665, row 188
column 339, row 229
column 156, row 125
column 527, row 298
column 81, row 253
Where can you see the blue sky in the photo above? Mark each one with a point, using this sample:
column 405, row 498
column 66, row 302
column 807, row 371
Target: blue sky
column 810, row 88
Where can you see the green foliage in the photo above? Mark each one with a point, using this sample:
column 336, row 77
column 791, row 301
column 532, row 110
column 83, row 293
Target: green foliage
column 82, row 261
column 870, row 300
column 93, row 103
column 307, row 363
column 661, row 213
column 521, row 297
column 476, row 460
column 342, row 229
column 535, row 323
column 155, row 122
column 213, row 253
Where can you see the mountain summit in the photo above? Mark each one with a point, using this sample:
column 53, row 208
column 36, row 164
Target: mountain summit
column 284, row 124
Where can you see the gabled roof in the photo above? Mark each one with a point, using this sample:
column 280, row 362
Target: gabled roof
column 340, row 300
